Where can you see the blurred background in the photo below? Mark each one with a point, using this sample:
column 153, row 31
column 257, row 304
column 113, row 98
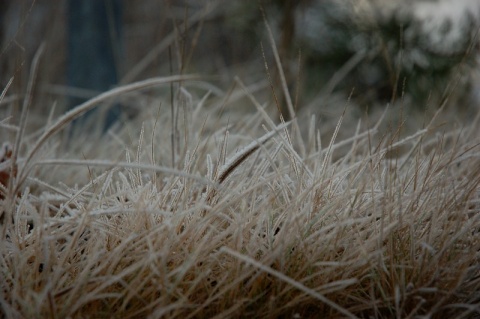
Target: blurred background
column 376, row 51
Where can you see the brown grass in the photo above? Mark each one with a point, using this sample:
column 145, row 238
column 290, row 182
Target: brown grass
column 253, row 219
column 288, row 234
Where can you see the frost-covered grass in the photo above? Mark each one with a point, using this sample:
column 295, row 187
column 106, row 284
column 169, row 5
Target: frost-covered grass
column 222, row 210
column 251, row 219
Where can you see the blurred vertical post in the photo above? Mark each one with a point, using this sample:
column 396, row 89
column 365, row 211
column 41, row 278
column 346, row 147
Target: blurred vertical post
column 287, row 27
column 94, row 47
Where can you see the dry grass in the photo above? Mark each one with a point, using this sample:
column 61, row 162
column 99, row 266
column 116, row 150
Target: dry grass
column 281, row 228
column 226, row 214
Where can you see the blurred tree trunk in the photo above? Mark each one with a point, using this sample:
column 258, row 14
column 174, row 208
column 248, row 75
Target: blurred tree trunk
column 94, row 47
column 287, row 27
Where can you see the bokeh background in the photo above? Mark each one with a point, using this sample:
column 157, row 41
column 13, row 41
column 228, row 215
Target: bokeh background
column 374, row 51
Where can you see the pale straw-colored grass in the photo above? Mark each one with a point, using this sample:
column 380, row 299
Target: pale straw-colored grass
column 251, row 220
column 243, row 225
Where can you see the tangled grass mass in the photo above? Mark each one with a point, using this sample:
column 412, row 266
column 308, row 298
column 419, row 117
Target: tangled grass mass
column 257, row 221
column 208, row 210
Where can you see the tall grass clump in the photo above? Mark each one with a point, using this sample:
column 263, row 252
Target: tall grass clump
column 204, row 210
column 249, row 221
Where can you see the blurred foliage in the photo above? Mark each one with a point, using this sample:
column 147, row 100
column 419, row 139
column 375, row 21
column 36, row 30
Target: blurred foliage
column 383, row 52
column 382, row 49
column 399, row 56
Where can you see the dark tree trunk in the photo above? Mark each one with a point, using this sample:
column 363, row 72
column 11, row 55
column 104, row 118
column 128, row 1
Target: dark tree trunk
column 94, row 46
